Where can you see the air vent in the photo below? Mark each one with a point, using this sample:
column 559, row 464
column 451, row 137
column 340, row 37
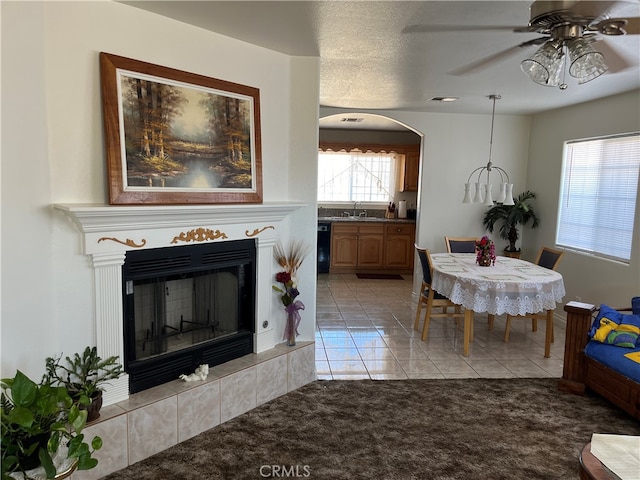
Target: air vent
column 351, row 119
column 158, row 265
column 233, row 258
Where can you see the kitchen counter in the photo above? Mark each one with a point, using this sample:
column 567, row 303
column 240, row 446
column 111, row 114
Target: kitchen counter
column 366, row 219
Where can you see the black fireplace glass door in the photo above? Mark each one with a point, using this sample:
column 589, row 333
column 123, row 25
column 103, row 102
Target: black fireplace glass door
column 186, row 306
column 177, row 312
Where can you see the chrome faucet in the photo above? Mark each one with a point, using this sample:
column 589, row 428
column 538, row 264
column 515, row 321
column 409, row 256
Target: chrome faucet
column 355, row 206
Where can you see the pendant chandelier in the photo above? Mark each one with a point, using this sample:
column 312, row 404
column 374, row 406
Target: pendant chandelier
column 483, row 190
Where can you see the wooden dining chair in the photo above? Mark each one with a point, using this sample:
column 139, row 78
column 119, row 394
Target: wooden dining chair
column 547, row 258
column 430, row 298
column 460, row 244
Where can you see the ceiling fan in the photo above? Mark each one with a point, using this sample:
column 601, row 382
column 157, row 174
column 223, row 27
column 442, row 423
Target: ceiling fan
column 568, row 29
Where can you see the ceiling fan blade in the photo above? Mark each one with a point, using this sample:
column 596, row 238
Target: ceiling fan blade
column 633, row 26
column 616, row 26
column 614, row 61
column 496, row 57
column 423, row 28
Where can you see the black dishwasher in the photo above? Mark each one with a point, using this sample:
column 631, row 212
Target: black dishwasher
column 324, row 246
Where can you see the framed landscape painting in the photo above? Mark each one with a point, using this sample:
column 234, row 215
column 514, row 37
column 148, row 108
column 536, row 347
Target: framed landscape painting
column 174, row 137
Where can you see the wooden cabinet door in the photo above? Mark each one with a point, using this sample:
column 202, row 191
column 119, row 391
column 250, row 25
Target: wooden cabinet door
column 399, row 246
column 370, row 250
column 370, row 245
column 344, row 245
column 410, row 169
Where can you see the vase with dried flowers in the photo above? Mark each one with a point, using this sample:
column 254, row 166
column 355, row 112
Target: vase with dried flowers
column 485, row 252
column 290, row 261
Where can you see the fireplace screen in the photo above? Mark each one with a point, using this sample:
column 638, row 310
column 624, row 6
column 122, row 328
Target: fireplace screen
column 176, row 313
column 185, row 306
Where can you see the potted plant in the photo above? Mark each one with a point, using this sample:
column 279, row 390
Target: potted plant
column 84, row 376
column 508, row 217
column 37, row 419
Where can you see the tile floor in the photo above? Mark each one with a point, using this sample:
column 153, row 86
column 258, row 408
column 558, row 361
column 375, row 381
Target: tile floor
column 365, row 330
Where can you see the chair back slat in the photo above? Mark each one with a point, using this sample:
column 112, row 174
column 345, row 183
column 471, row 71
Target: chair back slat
column 460, row 244
column 549, row 258
column 426, row 265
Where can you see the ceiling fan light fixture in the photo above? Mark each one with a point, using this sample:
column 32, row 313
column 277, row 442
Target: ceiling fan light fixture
column 545, row 66
column 585, row 62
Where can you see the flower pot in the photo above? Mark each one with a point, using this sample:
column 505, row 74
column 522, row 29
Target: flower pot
column 484, row 261
column 93, row 409
column 29, row 462
column 510, row 254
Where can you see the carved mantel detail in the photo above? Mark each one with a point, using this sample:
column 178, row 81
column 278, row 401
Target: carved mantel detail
column 128, row 242
column 199, row 235
column 258, row 231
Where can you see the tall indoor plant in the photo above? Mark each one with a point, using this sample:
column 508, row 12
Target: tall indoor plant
column 508, row 217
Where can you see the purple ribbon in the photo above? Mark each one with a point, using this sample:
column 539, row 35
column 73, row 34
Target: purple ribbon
column 292, row 312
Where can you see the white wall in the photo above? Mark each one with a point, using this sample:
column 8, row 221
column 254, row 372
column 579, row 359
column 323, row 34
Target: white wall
column 593, row 280
column 53, row 152
column 453, row 146
column 530, row 149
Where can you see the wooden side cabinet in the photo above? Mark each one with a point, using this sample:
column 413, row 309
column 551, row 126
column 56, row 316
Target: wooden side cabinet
column 399, row 246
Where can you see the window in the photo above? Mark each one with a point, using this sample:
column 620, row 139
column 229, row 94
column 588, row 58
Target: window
column 356, row 176
column 598, row 195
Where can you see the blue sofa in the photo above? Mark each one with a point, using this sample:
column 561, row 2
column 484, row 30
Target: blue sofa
column 597, row 365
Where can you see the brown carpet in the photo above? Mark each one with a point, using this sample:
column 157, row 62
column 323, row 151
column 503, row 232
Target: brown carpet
column 468, row 429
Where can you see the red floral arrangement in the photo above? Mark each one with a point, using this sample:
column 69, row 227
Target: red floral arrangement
column 485, row 252
column 290, row 261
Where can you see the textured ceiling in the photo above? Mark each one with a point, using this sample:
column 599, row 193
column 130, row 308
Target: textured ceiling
column 367, row 62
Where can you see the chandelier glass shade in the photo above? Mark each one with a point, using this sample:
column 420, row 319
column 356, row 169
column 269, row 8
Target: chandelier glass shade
column 483, row 191
column 545, row 67
column 586, row 63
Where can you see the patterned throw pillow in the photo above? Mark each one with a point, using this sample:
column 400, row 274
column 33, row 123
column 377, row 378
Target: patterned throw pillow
column 622, row 339
column 615, row 328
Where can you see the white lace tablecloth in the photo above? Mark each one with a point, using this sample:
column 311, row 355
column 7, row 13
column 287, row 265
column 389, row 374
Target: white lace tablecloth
column 510, row 286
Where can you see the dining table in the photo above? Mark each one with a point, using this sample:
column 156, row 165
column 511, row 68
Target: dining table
column 507, row 286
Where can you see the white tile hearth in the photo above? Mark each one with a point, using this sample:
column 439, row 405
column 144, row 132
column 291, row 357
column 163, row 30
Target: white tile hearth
column 158, row 418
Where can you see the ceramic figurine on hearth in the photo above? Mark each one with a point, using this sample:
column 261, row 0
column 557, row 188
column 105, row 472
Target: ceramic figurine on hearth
column 201, row 373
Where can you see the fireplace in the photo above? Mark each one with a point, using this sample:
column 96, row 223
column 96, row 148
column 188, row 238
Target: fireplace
column 186, row 306
column 110, row 235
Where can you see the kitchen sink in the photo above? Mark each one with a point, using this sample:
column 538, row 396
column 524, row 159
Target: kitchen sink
column 354, row 218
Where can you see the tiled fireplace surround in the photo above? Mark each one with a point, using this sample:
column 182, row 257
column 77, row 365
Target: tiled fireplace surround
column 134, row 427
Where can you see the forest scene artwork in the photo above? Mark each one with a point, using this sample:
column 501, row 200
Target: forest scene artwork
column 179, row 137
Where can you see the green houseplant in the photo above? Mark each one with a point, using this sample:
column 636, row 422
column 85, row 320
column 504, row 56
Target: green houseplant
column 508, row 217
column 37, row 419
column 84, row 377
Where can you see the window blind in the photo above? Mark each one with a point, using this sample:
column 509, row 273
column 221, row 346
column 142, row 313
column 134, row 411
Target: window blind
column 598, row 196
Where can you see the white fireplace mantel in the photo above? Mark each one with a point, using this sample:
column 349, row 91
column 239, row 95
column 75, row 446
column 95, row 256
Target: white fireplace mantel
column 109, row 231
column 92, row 218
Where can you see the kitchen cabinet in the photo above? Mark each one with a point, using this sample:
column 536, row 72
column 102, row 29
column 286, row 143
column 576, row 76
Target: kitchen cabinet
column 357, row 245
column 344, row 245
column 399, row 246
column 409, row 169
column 372, row 246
